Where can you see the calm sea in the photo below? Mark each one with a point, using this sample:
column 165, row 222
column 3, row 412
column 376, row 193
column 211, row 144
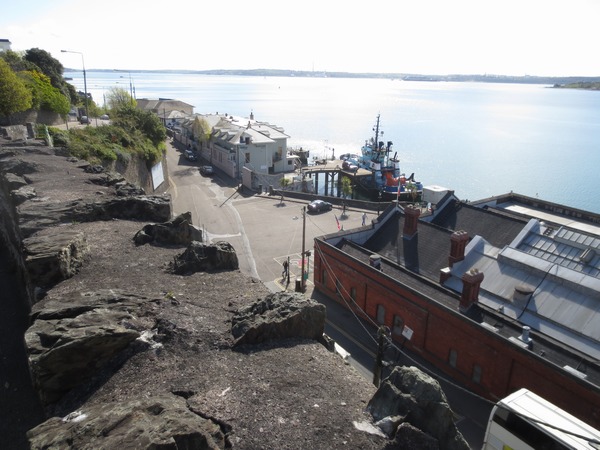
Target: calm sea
column 480, row 139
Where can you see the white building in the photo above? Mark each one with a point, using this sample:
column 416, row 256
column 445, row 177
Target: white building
column 238, row 145
column 4, row 45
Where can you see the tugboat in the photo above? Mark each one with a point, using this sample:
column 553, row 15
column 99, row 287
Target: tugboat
column 384, row 180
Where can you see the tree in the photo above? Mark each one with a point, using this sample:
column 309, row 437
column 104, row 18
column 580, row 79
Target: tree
column 131, row 119
column 47, row 64
column 118, row 98
column 44, row 95
column 14, row 95
column 346, row 187
column 16, row 61
column 201, row 130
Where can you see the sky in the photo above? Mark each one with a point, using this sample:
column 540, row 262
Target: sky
column 501, row 37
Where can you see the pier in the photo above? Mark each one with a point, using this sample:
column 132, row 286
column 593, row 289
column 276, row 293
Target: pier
column 332, row 170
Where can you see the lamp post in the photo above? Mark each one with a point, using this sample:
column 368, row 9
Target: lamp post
column 84, row 80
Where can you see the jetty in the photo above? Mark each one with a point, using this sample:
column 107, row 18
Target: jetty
column 331, row 169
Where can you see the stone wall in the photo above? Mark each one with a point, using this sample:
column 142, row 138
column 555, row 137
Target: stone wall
column 32, row 115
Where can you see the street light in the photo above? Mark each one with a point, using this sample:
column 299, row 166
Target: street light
column 84, row 80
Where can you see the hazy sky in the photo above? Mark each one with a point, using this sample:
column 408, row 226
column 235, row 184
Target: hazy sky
column 509, row 37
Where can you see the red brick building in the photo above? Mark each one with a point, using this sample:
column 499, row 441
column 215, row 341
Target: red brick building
column 497, row 300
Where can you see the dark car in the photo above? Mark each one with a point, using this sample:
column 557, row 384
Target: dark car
column 190, row 155
column 319, row 206
column 84, row 120
column 207, row 171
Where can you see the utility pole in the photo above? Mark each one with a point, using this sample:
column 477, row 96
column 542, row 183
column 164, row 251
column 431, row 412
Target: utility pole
column 382, row 334
column 303, row 249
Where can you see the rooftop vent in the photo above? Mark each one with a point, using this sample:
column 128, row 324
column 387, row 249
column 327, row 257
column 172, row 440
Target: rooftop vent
column 522, row 293
column 525, row 335
column 587, row 255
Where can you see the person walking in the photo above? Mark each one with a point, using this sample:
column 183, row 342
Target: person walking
column 285, row 269
column 364, row 219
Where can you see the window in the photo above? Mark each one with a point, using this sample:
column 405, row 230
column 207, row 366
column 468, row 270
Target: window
column 398, row 325
column 324, row 278
column 452, row 357
column 338, row 287
column 353, row 294
column 476, row 377
column 381, row 314
column 247, row 156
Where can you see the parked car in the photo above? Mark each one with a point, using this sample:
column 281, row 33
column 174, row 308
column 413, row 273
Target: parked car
column 319, row 206
column 207, row 171
column 190, row 155
column 104, row 117
column 84, row 119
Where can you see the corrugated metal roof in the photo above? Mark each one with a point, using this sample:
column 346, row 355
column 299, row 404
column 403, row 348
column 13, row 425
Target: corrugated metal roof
column 564, row 300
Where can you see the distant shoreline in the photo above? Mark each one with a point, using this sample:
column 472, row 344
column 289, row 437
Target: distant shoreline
column 527, row 79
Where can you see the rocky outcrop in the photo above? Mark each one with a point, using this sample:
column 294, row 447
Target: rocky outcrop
column 179, row 231
column 418, row 400
column 54, row 256
column 278, row 316
column 74, row 337
column 200, row 257
column 36, row 216
column 162, row 422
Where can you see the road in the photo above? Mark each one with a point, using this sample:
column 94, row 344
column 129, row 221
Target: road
column 265, row 231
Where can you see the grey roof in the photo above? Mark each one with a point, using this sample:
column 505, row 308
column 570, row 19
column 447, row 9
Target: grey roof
column 561, row 285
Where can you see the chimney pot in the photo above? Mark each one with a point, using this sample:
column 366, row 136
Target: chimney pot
column 458, row 243
column 411, row 220
column 470, row 292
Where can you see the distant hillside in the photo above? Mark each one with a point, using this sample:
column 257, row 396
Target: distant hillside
column 590, row 85
column 555, row 81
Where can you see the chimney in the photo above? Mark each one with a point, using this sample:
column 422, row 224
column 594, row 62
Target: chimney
column 470, row 292
column 411, row 219
column 458, row 242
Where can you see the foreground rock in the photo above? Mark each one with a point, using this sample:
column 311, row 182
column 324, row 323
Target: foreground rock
column 36, row 216
column 163, row 422
column 54, row 256
column 279, row 316
column 200, row 257
column 71, row 339
column 179, row 231
column 410, row 396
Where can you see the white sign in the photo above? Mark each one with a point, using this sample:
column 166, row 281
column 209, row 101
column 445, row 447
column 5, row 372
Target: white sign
column 157, row 175
column 407, row 332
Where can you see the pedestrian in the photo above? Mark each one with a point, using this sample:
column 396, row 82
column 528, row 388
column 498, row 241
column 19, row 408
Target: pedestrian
column 364, row 219
column 285, row 269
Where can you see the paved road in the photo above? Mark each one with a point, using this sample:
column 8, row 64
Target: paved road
column 265, row 231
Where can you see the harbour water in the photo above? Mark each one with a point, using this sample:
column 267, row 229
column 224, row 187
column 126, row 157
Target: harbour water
column 479, row 139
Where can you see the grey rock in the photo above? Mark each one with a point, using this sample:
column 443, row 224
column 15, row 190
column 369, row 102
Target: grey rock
column 15, row 132
column 18, row 167
column 23, row 194
column 409, row 437
column 278, row 316
column 54, row 256
column 411, row 393
column 72, row 338
column 162, row 422
column 35, row 216
column 15, row 181
column 179, row 231
column 200, row 257
column 125, row 189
